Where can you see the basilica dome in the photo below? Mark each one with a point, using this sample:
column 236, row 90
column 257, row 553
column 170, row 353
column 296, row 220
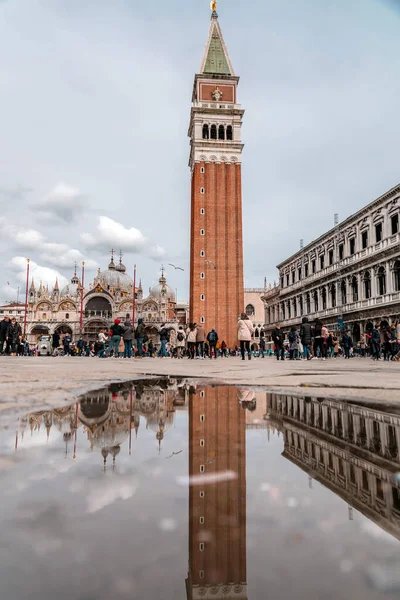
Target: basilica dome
column 163, row 290
column 71, row 289
column 115, row 277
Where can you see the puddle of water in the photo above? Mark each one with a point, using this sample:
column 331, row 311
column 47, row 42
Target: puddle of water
column 167, row 490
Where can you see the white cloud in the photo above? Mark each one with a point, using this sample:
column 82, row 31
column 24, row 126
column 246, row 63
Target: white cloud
column 54, row 253
column 10, row 292
column 37, row 272
column 61, row 255
column 110, row 233
column 64, row 203
column 28, row 239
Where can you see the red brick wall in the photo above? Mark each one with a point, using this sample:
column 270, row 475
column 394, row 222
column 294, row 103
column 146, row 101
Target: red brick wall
column 223, row 287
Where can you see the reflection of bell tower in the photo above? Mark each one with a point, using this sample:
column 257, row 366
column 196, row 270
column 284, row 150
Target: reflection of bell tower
column 217, row 511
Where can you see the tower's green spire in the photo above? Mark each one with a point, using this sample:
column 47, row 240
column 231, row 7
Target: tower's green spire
column 216, row 58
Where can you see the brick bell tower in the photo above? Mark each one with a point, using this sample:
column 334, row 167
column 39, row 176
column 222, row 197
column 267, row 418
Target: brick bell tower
column 216, row 248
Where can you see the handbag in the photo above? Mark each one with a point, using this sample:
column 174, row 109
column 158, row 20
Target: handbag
column 145, row 339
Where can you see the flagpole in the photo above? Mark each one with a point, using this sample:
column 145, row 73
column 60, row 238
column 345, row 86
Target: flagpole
column 26, row 293
column 134, row 297
column 83, row 283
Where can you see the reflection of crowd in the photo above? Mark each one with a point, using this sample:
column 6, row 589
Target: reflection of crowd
column 315, row 341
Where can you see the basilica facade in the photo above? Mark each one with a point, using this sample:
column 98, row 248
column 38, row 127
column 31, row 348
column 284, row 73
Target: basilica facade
column 108, row 297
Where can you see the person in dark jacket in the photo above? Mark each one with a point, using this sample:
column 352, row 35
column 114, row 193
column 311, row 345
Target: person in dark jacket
column 116, row 331
column 306, row 337
column 67, row 344
column 164, row 339
column 14, row 333
column 347, row 344
column 376, row 344
column 128, row 337
column 277, row 337
column 212, row 339
column 4, row 327
column 140, row 336
column 318, row 339
column 81, row 346
column 55, row 341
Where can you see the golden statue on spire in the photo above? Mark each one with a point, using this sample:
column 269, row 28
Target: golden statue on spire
column 213, row 5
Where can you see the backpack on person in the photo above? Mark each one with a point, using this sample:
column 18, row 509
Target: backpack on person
column 212, row 338
column 180, row 336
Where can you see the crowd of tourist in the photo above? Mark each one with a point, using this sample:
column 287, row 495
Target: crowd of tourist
column 317, row 342
column 310, row 341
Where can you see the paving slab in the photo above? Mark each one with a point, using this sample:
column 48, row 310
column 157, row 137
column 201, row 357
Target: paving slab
column 50, row 381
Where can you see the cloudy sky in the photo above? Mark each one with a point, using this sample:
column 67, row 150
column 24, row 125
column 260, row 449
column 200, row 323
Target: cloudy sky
column 95, row 100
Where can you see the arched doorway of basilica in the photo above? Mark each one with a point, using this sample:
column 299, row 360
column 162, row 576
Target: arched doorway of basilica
column 92, row 329
column 63, row 329
column 37, row 331
column 99, row 306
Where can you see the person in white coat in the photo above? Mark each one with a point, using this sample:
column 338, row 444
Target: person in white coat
column 180, row 341
column 245, row 331
column 191, row 338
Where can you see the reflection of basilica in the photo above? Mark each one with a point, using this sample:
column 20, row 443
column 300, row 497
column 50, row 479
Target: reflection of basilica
column 217, row 495
column 107, row 417
column 352, row 450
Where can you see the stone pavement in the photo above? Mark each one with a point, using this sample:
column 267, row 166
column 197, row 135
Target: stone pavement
column 48, row 381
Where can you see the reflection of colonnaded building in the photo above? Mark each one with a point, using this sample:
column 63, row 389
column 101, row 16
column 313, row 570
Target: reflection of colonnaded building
column 217, row 507
column 353, row 450
column 110, row 296
column 108, row 417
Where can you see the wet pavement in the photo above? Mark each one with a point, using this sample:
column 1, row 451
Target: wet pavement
column 163, row 489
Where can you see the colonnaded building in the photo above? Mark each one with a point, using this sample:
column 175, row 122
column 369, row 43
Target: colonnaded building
column 350, row 272
column 110, row 296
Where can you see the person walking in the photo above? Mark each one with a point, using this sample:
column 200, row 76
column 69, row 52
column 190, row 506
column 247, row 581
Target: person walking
column 14, row 332
column 150, row 349
column 245, row 331
column 318, row 339
column 80, row 346
column 172, row 343
column 191, row 336
column 4, row 328
column 212, row 339
column 55, row 341
column 387, row 348
column 277, row 338
column 330, row 345
column 347, row 344
column 140, row 336
column 376, row 344
column 101, row 341
column 306, row 337
column 67, row 344
column 128, row 338
column 262, row 347
column 116, row 332
column 164, row 339
column 325, row 336
column 180, row 341
column 293, row 343
column 200, row 339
